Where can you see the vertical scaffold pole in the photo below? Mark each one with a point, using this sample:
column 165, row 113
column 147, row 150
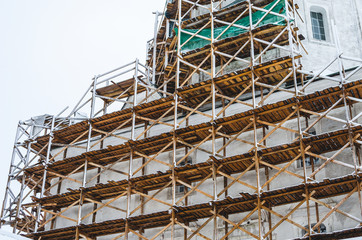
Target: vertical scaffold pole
column 254, row 103
column 174, row 148
column 289, row 11
column 51, row 137
column 130, row 162
column 88, row 148
column 154, row 55
column 213, row 93
column 23, row 185
column 4, row 210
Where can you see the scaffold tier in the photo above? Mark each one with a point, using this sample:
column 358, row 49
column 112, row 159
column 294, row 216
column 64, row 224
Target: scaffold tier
column 230, row 84
column 271, row 113
column 276, row 155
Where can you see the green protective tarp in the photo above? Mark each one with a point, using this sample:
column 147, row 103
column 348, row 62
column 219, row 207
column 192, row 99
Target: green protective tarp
column 197, row 42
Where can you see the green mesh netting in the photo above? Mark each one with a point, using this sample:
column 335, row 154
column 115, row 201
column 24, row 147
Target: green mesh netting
column 197, row 42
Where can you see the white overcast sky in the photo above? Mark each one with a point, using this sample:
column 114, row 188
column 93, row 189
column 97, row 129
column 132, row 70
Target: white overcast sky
column 50, row 50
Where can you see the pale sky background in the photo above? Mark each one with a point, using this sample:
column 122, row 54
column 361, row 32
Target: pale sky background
column 50, row 50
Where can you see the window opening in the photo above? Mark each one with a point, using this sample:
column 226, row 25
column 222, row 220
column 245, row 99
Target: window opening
column 308, row 159
column 318, row 27
column 180, row 189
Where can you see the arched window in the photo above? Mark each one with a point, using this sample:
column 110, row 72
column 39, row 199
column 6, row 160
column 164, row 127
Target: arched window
column 318, row 17
column 318, row 29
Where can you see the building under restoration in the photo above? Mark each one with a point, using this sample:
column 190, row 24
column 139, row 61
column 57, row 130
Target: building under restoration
column 244, row 123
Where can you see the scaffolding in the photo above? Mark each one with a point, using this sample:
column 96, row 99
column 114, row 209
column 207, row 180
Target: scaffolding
column 226, row 100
